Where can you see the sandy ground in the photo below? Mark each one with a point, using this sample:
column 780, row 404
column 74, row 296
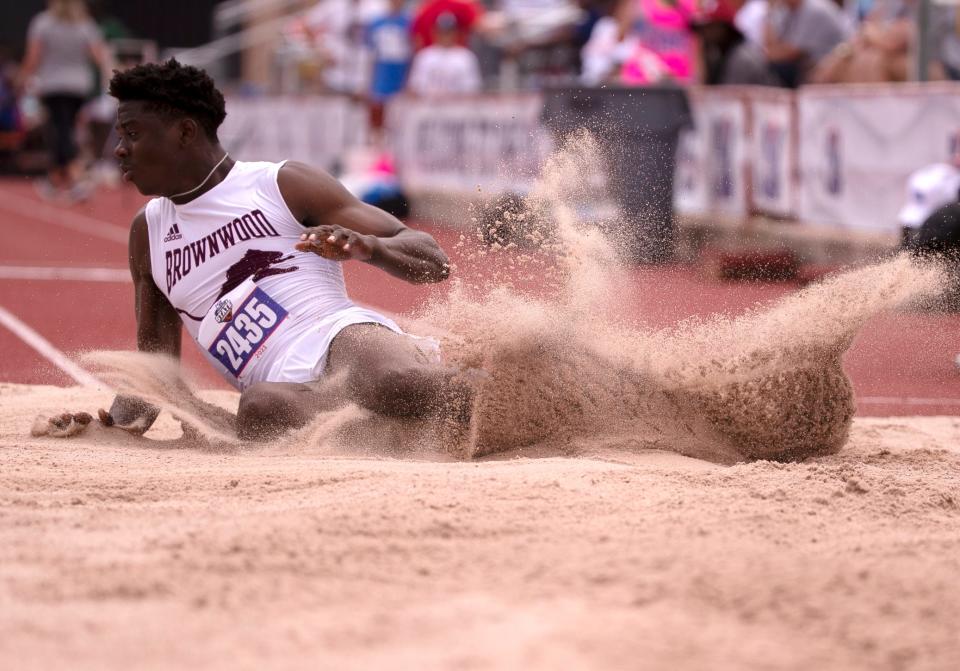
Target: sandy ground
column 118, row 553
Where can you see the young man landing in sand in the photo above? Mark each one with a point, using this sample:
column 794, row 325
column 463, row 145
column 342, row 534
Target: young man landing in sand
column 247, row 256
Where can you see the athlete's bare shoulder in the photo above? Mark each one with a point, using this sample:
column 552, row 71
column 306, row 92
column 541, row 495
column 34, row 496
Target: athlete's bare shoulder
column 139, row 223
column 309, row 191
column 296, row 171
column 139, row 246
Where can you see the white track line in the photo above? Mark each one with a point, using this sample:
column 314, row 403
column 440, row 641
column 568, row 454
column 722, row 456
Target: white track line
column 48, row 351
column 121, row 275
column 26, row 207
column 906, row 400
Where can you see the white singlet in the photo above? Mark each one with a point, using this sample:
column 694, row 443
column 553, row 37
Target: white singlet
column 260, row 310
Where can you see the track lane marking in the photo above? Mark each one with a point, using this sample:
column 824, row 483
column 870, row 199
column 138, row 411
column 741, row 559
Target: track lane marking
column 43, row 347
column 120, row 275
column 25, row 207
column 906, row 400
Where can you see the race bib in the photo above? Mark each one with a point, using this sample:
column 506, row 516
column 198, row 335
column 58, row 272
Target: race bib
column 238, row 327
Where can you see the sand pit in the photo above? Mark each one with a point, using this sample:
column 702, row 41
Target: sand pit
column 122, row 553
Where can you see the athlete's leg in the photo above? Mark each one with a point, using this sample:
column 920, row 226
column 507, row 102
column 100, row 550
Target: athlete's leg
column 369, row 365
column 268, row 409
column 391, row 373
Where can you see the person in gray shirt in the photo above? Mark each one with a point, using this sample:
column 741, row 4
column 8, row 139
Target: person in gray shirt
column 799, row 33
column 61, row 44
column 728, row 57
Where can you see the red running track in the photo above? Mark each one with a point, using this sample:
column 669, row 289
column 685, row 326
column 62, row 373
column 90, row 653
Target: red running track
column 900, row 364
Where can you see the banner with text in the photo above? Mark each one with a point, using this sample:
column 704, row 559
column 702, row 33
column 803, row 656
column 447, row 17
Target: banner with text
column 316, row 130
column 859, row 145
column 491, row 144
column 712, row 157
column 773, row 152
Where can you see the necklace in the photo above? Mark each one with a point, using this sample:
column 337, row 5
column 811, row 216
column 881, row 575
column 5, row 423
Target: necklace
column 205, row 179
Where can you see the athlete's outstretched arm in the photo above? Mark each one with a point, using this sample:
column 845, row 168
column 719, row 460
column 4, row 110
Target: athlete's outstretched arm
column 340, row 227
column 158, row 329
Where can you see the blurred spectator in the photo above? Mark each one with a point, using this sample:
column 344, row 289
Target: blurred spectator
column 593, row 12
column 531, row 40
column 11, row 121
column 666, row 45
column 391, row 44
column 880, row 50
column 643, row 42
column 947, row 19
column 467, row 14
column 61, row 43
column 333, row 31
column 111, row 28
column 799, row 33
column 928, row 189
column 751, row 19
column 99, row 116
column 518, row 24
column 728, row 57
column 445, row 68
column 609, row 46
column 531, row 21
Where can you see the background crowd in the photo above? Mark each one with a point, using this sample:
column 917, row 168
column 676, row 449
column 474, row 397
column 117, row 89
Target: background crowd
column 526, row 44
column 375, row 49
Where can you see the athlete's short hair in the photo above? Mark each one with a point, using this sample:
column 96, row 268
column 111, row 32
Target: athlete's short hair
column 173, row 90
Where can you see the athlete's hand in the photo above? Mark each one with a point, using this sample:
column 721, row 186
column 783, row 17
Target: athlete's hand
column 69, row 424
column 337, row 243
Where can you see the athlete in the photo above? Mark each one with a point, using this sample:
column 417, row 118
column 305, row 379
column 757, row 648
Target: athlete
column 247, row 257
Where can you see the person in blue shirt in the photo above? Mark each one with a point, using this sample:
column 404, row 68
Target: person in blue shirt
column 390, row 40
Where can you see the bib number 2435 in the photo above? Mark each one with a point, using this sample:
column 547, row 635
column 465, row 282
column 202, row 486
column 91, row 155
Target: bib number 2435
column 245, row 330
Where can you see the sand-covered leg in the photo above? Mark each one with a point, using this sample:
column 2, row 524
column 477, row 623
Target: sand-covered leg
column 270, row 409
column 787, row 415
column 545, row 391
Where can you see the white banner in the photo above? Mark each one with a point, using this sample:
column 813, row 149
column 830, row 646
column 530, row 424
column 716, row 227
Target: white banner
column 491, row 144
column 689, row 182
column 316, row 130
column 773, row 152
column 711, row 159
column 859, row 145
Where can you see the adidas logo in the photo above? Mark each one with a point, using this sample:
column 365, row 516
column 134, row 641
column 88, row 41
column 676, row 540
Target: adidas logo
column 173, row 233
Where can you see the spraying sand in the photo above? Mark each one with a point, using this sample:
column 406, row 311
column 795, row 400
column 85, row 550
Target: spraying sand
column 562, row 365
column 766, row 385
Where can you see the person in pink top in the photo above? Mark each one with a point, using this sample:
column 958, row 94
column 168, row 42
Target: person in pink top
column 666, row 45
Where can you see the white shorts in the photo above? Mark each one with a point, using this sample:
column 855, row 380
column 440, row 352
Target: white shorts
column 306, row 358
